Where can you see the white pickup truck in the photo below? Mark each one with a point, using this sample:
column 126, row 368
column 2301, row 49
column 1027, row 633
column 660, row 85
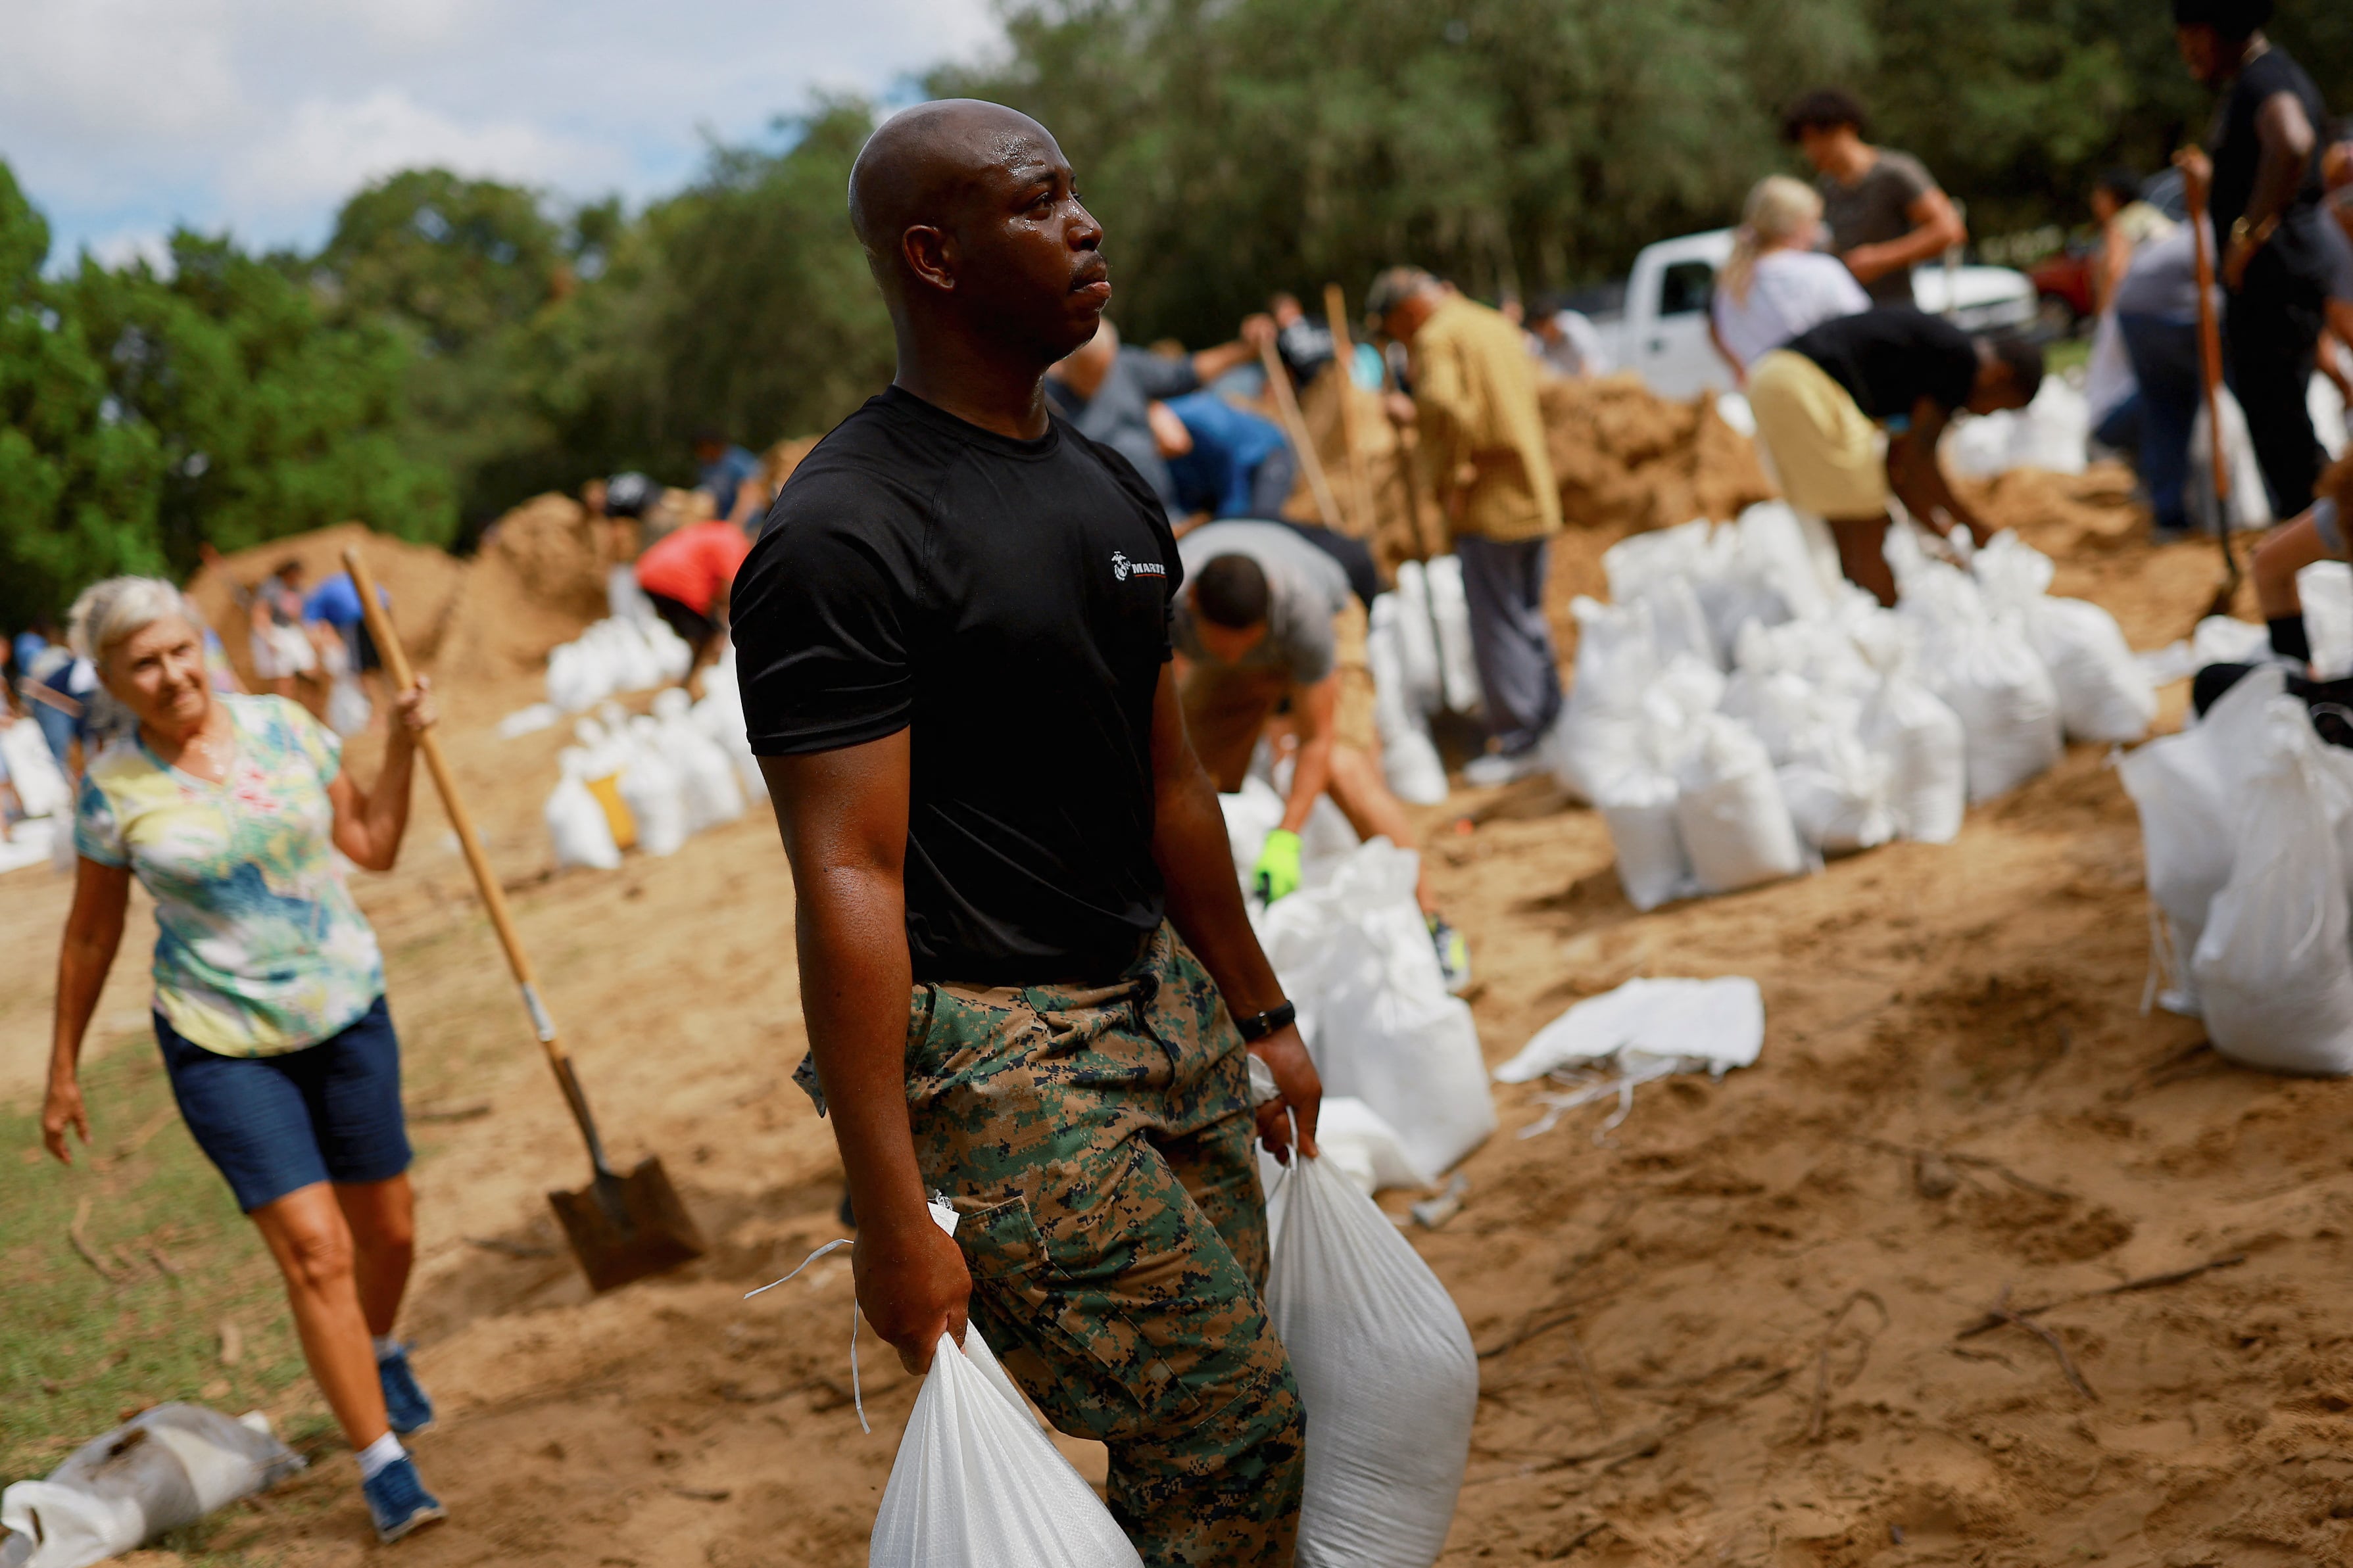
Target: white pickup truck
column 1662, row 331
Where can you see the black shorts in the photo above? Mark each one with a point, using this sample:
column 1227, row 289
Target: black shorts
column 695, row 628
column 364, row 657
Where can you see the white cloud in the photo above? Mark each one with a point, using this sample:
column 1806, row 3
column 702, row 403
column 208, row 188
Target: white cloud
column 124, row 117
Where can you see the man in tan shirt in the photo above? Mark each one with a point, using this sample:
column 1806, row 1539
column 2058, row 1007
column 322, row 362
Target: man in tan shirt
column 1482, row 444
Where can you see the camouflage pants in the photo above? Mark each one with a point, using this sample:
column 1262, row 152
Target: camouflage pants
column 1098, row 1144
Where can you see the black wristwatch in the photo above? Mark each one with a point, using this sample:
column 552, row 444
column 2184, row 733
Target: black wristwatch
column 1259, row 1025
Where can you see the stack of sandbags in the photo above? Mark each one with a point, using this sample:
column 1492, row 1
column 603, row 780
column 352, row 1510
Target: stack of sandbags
column 1418, row 649
column 619, row 654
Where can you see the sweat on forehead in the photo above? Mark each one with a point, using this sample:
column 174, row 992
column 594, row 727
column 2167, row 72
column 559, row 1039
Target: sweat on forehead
column 922, row 160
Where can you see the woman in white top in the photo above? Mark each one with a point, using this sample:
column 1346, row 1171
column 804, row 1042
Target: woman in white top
column 1776, row 284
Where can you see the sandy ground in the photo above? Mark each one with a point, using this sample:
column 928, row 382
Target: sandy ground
column 1729, row 1332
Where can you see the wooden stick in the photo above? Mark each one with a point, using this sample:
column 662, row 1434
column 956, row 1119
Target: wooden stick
column 81, row 1245
column 486, row 880
column 1821, row 1404
column 2210, row 370
column 1344, row 355
column 1294, row 430
column 1994, row 1319
column 2002, row 1314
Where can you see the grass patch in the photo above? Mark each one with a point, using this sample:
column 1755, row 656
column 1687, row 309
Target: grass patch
column 2065, row 355
column 79, row 1353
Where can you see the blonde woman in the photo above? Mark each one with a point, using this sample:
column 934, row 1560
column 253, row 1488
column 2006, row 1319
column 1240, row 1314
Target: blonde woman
column 1777, row 284
column 268, row 989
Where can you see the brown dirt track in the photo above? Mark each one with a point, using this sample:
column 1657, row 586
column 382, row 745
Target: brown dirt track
column 1727, row 1335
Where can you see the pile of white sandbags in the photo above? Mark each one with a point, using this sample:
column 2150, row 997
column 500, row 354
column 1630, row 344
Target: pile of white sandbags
column 1737, row 713
column 1418, row 649
column 650, row 783
column 619, row 654
column 2247, row 824
column 2053, row 432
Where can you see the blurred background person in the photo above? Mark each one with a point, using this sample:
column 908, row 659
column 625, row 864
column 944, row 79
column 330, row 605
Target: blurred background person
column 1106, row 390
column 1886, row 213
column 1567, row 342
column 1778, row 283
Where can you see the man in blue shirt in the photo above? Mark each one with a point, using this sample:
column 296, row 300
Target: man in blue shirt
column 1239, row 465
column 336, row 601
column 726, row 470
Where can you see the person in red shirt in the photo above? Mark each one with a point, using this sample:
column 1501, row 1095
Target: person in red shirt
column 687, row 575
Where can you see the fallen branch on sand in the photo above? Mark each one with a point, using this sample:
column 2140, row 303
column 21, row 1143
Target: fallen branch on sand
column 1975, row 1162
column 82, row 1244
column 1997, row 1318
column 1814, row 1422
column 2002, row 1314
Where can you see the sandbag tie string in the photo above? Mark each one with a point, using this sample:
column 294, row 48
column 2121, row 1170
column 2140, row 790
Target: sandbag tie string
column 857, row 1393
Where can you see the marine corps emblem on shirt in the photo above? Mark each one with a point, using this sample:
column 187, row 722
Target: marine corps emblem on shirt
column 1120, row 566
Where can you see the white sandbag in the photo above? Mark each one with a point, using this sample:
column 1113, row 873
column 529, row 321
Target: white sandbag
column 1711, row 1025
column 576, row 823
column 1838, row 791
column 2250, row 505
column 1416, row 640
column 1729, row 812
column 977, row 1484
column 1927, row 757
column 1359, row 1142
column 1387, row 1372
column 2105, row 696
column 707, row 776
column 168, row 1466
column 1355, row 958
column 1616, row 654
column 2325, row 588
column 1409, row 759
column 1639, row 810
column 31, row 769
column 577, row 676
column 1988, row 674
column 720, row 715
column 624, row 599
column 655, row 795
column 1449, row 612
column 2274, row 966
column 348, row 707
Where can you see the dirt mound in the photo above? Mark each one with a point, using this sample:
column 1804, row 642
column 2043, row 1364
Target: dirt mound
column 537, row 582
column 1629, row 459
column 424, row 583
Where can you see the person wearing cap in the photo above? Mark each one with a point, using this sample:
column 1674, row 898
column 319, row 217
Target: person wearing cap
column 1266, row 622
column 1886, row 213
column 1482, row 443
column 2262, row 166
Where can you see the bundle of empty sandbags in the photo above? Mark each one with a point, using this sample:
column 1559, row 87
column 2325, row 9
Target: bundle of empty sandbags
column 1738, row 712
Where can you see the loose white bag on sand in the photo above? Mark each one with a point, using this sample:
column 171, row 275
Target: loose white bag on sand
column 168, row 1466
column 2274, row 966
column 1355, row 957
column 1712, row 1026
column 1387, row 1372
column 1734, row 824
column 976, row 1484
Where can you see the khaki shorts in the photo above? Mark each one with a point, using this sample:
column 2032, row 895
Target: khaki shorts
column 1227, row 708
column 1825, row 449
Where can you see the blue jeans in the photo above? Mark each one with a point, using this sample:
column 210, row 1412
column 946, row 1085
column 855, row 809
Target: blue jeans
column 2164, row 355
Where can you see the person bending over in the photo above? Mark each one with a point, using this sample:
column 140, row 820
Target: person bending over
column 1819, row 402
column 1026, row 969
column 1267, row 621
column 270, row 1007
column 688, row 575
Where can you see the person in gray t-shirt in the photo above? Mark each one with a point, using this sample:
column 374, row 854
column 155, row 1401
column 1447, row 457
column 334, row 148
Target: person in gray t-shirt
column 1108, row 391
column 1885, row 211
column 1266, row 621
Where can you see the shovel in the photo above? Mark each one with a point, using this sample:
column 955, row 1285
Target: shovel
column 621, row 1227
column 2209, row 368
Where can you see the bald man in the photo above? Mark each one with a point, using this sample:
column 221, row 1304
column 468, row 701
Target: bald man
column 1027, row 975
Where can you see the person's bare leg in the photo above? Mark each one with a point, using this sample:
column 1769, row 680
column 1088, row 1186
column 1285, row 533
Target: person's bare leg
column 382, row 1220
column 1364, row 798
column 306, row 1233
column 2283, row 552
column 1862, row 555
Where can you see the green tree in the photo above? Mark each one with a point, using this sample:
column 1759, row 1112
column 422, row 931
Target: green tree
column 77, row 480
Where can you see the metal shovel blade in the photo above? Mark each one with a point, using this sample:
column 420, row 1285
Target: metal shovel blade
column 627, row 1227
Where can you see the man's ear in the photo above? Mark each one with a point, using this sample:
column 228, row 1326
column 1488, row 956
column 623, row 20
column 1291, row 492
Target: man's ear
column 930, row 256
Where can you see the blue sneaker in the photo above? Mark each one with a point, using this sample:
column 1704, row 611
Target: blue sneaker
column 398, row 1501
column 406, row 1408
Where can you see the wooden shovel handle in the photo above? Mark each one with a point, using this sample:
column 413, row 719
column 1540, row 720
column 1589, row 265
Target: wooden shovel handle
column 494, row 897
column 1294, row 429
column 2210, row 345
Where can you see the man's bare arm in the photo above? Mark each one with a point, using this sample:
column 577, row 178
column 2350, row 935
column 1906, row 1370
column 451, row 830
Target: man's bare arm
column 1315, row 708
column 1205, row 904
column 1936, row 227
column 843, row 814
column 1918, row 479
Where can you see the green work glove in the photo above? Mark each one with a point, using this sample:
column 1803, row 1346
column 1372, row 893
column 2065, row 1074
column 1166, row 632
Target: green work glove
column 1277, row 872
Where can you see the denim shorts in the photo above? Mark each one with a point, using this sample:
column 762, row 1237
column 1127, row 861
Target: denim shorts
column 328, row 1112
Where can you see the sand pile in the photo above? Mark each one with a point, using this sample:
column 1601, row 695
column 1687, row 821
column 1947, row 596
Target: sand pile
column 424, row 584
column 538, row 580
column 1629, row 459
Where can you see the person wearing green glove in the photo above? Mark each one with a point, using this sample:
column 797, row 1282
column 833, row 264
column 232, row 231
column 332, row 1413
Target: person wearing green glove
column 1266, row 622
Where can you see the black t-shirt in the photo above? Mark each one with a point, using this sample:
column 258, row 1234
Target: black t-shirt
column 1889, row 359
column 2297, row 245
column 1008, row 601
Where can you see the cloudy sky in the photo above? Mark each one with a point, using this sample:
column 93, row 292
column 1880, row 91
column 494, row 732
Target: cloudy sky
column 121, row 118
